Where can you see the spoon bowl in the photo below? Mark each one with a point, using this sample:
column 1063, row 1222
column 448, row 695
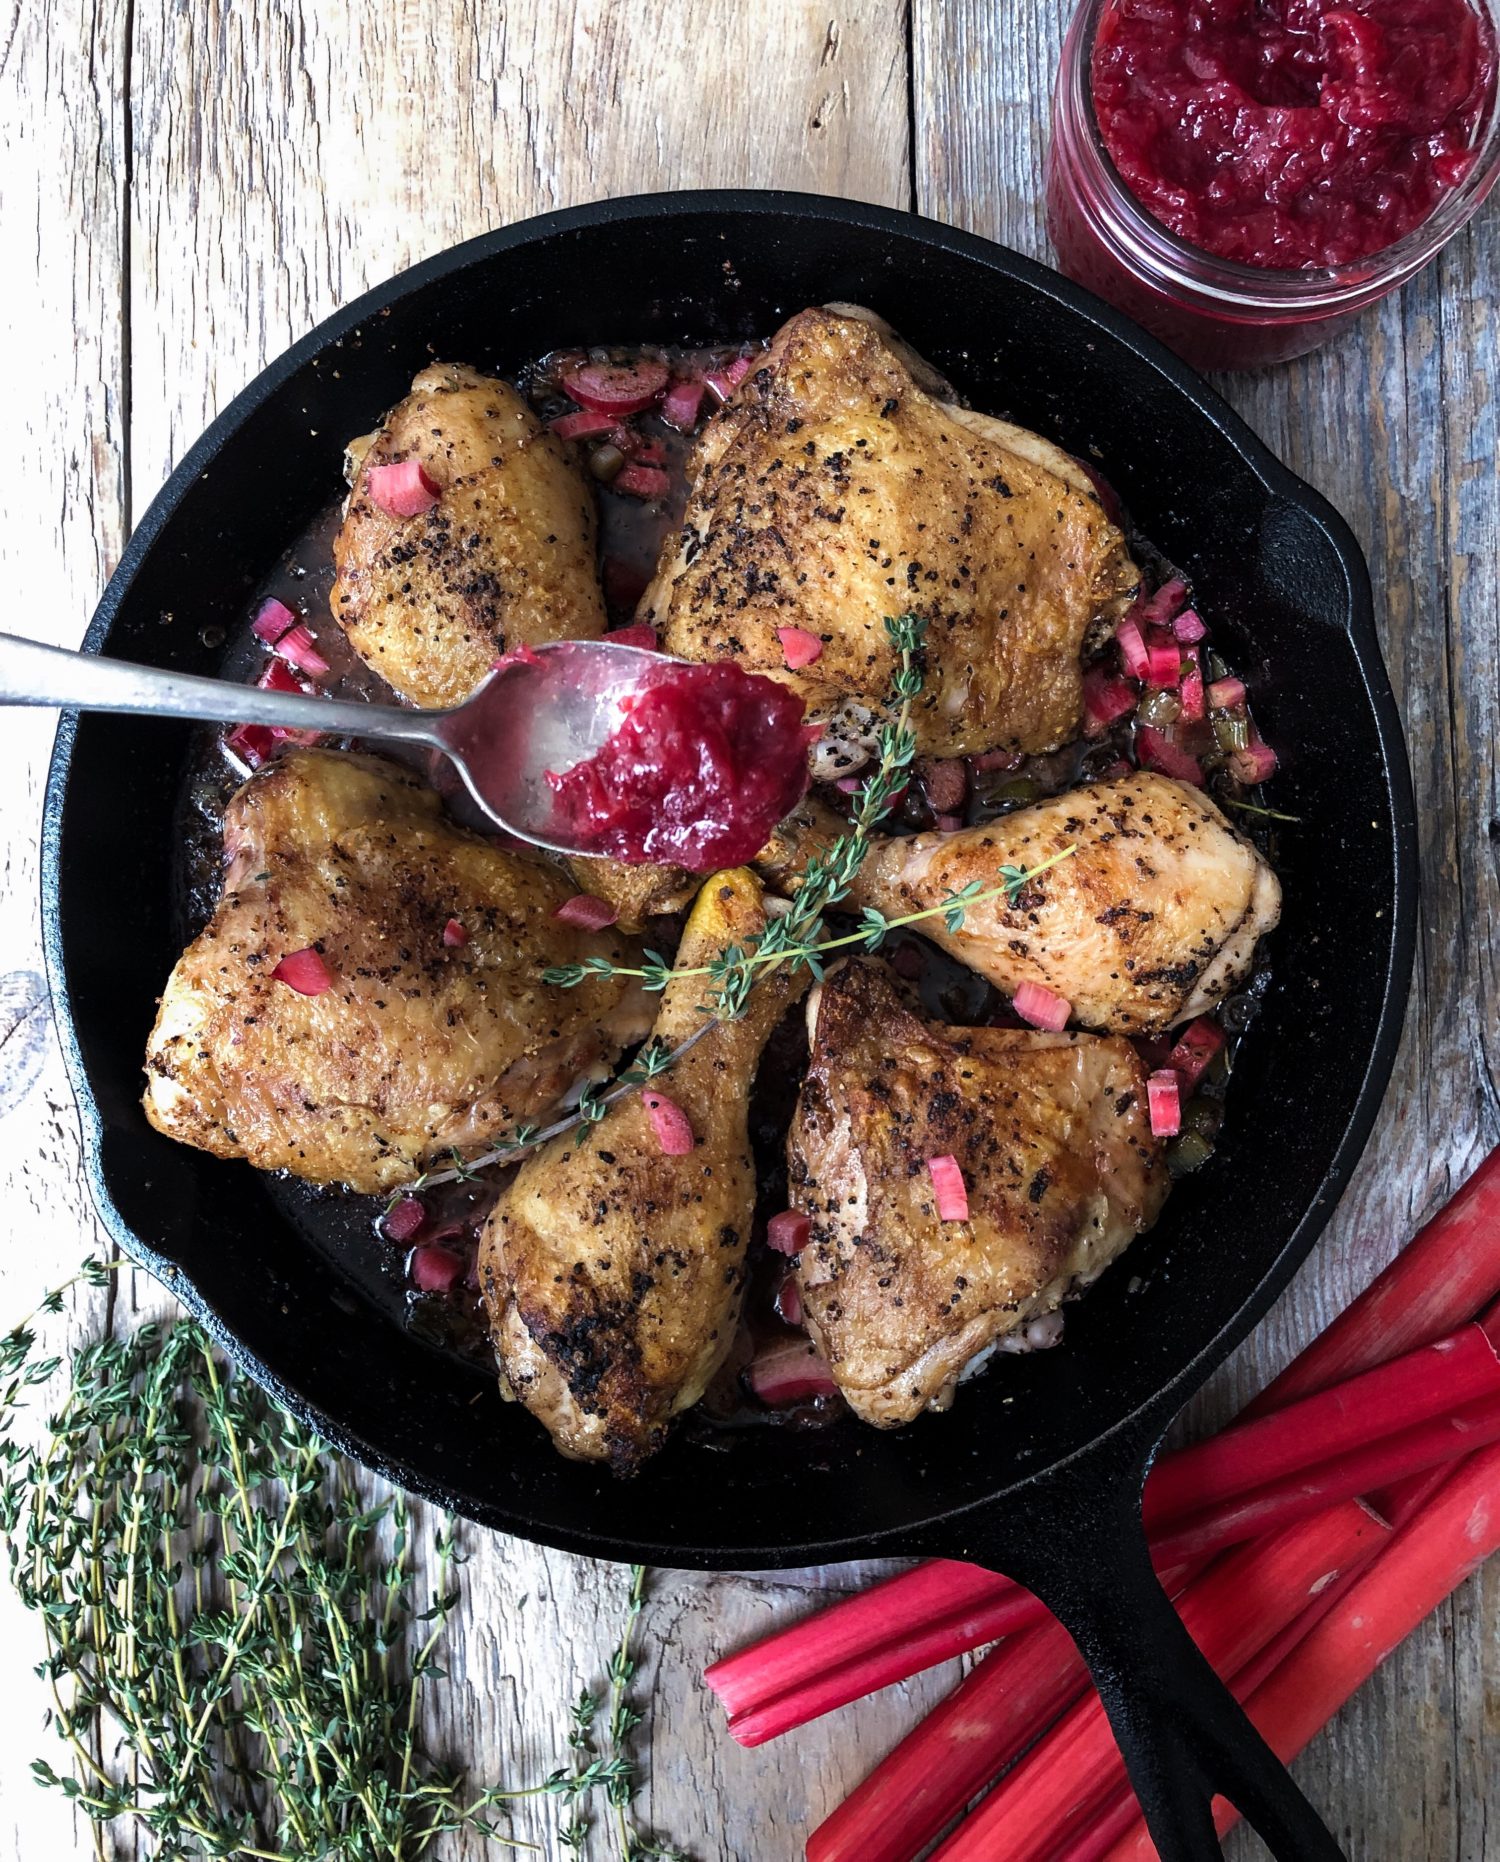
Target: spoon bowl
column 543, row 708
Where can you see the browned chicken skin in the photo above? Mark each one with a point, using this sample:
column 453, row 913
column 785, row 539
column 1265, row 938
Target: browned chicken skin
column 1053, row 1138
column 1153, row 920
column 418, row 1046
column 504, row 559
column 613, row 1273
column 834, row 491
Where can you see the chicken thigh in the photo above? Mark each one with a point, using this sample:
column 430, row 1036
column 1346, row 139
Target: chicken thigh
column 834, row 490
column 505, row 557
column 1053, row 1138
column 1154, row 919
column 613, row 1272
column 434, row 1029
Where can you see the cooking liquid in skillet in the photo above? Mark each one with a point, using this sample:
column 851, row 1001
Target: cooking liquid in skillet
column 344, row 1229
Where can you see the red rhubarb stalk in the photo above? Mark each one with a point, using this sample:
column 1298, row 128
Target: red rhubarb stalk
column 940, row 1610
column 1435, row 1443
column 1120, row 1812
column 1445, row 1274
column 994, row 1711
column 1424, row 1563
column 1431, row 1381
column 1231, row 1613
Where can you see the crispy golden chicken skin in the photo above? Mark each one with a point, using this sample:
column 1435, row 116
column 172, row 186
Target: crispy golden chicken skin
column 1052, row 1135
column 833, row 491
column 1153, row 920
column 612, row 1272
column 419, row 1045
column 505, row 557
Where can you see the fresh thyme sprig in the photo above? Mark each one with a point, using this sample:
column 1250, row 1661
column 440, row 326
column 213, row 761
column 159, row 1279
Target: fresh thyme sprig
column 234, row 1657
column 875, row 926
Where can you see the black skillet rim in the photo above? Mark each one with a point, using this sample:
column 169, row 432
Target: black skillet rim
column 1127, row 1437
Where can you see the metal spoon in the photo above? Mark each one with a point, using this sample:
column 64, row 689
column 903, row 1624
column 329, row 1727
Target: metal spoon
column 547, row 710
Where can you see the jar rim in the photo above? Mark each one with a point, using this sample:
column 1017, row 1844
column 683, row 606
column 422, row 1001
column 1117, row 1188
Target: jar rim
column 1152, row 249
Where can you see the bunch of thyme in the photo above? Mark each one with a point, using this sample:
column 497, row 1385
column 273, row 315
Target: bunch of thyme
column 234, row 1656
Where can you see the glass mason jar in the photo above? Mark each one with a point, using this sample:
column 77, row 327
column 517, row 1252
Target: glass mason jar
column 1216, row 313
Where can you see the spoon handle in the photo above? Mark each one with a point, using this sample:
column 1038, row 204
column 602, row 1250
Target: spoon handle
column 32, row 674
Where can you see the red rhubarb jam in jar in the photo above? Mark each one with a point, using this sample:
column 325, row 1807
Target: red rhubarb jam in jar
column 1245, row 176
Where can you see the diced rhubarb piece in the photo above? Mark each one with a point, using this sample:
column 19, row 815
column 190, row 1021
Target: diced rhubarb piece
column 1194, row 1049
column 404, row 1217
column 790, row 1371
column 638, row 635
column 723, row 382
column 948, row 824
column 586, row 913
column 1225, row 694
column 1163, row 659
column 788, row 1300
column 1190, row 692
column 435, row 1269
column 674, row 1131
column 273, row 620
column 304, row 971
column 1132, row 644
column 1255, row 763
column 1189, row 627
column 788, row 1232
column 277, row 676
column 1012, row 759
column 250, row 744
column 798, row 646
column 642, row 481
column 1106, row 698
column 949, row 1190
column 1042, row 1007
column 909, row 961
column 946, row 780
column 624, row 582
column 682, row 402
column 585, row 424
column 1164, row 1102
column 1154, row 749
column 650, row 453
column 297, row 647
column 608, row 389
column 1165, row 604
column 405, row 489
column 454, row 934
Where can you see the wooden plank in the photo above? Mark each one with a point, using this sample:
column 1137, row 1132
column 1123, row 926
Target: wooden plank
column 1396, row 423
column 62, row 158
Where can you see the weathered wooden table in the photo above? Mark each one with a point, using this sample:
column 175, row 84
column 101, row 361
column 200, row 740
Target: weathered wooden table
column 185, row 189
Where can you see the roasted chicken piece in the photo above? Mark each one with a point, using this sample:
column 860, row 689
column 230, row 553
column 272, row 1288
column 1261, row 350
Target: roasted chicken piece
column 505, row 557
column 638, row 893
column 613, row 1272
column 1153, row 920
column 426, row 1037
column 834, row 490
column 1052, row 1135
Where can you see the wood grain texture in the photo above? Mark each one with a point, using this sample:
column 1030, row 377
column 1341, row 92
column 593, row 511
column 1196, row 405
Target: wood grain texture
column 192, row 186
column 1396, row 424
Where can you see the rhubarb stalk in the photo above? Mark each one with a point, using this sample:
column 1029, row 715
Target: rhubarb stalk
column 1231, row 1613
column 943, row 1609
column 1448, row 1271
column 1424, row 1563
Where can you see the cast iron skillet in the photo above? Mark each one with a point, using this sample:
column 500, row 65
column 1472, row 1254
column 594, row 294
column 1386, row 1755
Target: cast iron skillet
column 1045, row 1487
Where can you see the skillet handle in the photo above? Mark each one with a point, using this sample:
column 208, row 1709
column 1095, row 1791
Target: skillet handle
column 1077, row 1541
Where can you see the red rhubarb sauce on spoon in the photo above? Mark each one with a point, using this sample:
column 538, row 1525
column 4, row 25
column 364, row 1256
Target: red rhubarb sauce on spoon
column 1291, row 133
column 704, row 763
